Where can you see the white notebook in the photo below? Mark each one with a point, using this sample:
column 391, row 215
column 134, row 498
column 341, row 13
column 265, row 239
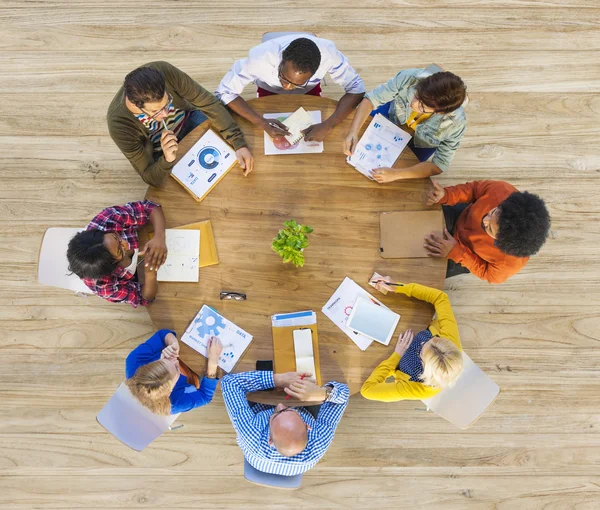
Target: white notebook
column 279, row 145
column 296, row 123
column 305, row 357
column 183, row 256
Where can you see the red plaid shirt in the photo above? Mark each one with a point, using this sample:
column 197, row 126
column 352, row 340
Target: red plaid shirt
column 121, row 286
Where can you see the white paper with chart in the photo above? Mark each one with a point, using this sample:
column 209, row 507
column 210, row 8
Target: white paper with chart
column 280, row 145
column 183, row 256
column 204, row 165
column 380, row 145
column 208, row 322
column 340, row 305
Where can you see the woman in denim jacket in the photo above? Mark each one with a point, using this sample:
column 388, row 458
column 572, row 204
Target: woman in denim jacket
column 426, row 105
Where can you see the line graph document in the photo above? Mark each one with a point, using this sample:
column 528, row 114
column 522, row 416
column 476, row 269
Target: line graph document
column 379, row 146
column 183, row 256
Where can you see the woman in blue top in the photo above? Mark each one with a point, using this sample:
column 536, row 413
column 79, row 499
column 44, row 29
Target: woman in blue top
column 155, row 379
column 426, row 105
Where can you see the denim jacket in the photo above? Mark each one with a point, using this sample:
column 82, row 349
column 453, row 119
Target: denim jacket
column 442, row 131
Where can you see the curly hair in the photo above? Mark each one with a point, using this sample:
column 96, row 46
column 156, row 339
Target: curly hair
column 88, row 257
column 145, row 85
column 523, row 224
column 443, row 91
column 304, row 54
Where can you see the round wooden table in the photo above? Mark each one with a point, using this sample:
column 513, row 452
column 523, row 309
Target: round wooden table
column 320, row 190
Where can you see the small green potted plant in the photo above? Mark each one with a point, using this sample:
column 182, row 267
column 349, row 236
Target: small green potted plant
column 290, row 242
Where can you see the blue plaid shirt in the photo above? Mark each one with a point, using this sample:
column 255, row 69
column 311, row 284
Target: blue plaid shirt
column 252, row 424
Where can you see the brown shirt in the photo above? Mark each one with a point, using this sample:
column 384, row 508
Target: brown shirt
column 133, row 138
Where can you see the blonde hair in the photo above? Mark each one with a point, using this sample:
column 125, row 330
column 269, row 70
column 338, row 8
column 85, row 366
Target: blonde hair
column 442, row 363
column 151, row 385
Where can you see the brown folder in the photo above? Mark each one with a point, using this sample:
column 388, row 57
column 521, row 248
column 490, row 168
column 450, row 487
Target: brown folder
column 284, row 357
column 208, row 248
column 402, row 232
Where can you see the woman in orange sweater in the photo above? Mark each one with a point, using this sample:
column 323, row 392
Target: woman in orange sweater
column 424, row 363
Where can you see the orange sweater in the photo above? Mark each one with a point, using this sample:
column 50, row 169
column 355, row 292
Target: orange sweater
column 475, row 249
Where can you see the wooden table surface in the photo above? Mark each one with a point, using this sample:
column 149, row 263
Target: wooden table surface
column 320, row 190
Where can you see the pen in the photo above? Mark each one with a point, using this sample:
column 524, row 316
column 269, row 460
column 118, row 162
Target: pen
column 277, row 126
column 301, row 378
column 388, row 283
column 165, row 124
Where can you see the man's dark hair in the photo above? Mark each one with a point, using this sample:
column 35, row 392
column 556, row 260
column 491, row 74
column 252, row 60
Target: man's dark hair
column 144, row 85
column 304, row 54
column 443, row 91
column 88, row 257
column 523, row 224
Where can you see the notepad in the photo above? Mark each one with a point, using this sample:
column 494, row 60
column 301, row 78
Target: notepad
column 296, row 123
column 303, row 348
column 373, row 320
column 204, row 165
column 183, row 256
column 278, row 145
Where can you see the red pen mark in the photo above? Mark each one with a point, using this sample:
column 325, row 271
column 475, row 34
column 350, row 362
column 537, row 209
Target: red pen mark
column 301, row 378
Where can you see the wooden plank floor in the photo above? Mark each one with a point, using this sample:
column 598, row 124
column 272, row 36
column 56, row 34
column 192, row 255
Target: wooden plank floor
column 532, row 71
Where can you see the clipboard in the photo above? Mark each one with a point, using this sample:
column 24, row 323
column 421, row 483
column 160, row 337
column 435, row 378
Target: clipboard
column 284, row 357
column 402, row 232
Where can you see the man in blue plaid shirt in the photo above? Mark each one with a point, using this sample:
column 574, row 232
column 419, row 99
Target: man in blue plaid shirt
column 282, row 440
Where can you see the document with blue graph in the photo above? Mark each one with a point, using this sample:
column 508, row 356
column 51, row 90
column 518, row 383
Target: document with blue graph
column 379, row 146
column 208, row 322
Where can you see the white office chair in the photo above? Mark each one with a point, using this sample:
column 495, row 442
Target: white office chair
column 53, row 266
column 267, row 36
column 269, row 480
column 132, row 423
column 466, row 401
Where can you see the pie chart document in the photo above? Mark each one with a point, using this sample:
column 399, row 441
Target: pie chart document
column 204, row 165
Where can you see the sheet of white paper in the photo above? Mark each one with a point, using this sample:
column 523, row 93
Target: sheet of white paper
column 379, row 146
column 204, row 164
column 279, row 145
column 208, row 322
column 340, row 305
column 183, row 256
column 303, row 349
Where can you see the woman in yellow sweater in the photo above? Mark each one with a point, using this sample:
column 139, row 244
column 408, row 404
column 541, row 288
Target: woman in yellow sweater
column 424, row 363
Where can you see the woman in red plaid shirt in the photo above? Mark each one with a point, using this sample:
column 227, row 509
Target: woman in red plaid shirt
column 105, row 255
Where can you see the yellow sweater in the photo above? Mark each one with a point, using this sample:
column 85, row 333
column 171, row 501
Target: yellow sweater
column 375, row 387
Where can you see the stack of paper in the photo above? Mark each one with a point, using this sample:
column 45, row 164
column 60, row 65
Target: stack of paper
column 379, row 146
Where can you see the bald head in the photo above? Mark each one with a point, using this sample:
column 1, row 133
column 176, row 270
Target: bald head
column 288, row 432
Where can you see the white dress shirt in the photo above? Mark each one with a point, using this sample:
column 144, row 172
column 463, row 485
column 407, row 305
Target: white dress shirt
column 262, row 68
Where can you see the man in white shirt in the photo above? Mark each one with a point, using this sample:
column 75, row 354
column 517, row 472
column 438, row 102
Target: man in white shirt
column 292, row 64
